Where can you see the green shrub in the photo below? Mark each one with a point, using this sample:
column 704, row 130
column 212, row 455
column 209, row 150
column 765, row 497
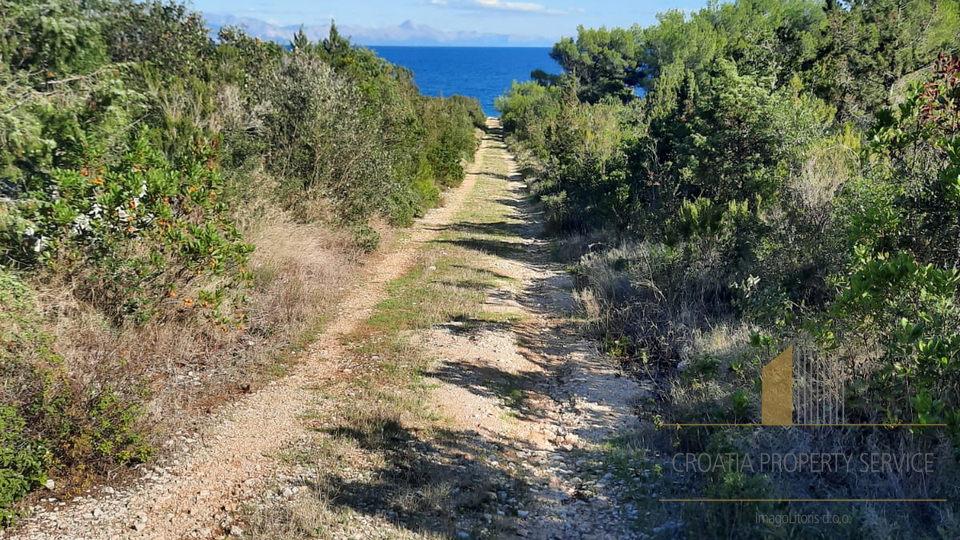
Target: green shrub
column 704, row 366
column 140, row 225
column 529, row 111
column 23, row 462
column 472, row 107
column 114, row 430
column 911, row 310
column 347, row 126
column 47, row 421
column 366, row 237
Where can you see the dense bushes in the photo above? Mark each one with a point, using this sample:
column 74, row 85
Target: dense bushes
column 131, row 145
column 48, row 419
column 789, row 177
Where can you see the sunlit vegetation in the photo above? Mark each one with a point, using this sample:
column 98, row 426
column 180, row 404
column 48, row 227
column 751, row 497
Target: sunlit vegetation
column 144, row 165
column 757, row 174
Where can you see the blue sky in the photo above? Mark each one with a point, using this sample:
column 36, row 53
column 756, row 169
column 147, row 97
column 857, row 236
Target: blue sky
column 546, row 18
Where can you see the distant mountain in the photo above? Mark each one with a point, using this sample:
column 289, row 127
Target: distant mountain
column 408, row 33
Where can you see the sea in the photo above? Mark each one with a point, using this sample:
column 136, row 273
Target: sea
column 481, row 72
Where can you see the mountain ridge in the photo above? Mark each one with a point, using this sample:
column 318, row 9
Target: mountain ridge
column 408, row 33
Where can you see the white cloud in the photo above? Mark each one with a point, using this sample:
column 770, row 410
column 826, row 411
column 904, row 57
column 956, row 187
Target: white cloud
column 511, row 6
column 499, row 5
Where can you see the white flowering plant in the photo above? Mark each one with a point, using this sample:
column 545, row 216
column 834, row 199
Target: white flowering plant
column 145, row 230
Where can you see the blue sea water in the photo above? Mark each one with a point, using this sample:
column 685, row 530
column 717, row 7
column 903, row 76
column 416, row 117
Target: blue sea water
column 480, row 72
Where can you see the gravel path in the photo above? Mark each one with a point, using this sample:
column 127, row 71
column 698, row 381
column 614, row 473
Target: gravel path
column 535, row 392
column 565, row 400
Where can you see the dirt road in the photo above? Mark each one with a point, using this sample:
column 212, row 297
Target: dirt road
column 517, row 430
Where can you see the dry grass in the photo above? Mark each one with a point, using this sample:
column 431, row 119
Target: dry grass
column 299, row 270
column 638, row 292
column 822, row 174
column 571, row 247
column 300, row 273
column 312, row 516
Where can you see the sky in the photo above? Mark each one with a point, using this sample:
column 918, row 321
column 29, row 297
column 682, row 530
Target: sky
column 542, row 18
